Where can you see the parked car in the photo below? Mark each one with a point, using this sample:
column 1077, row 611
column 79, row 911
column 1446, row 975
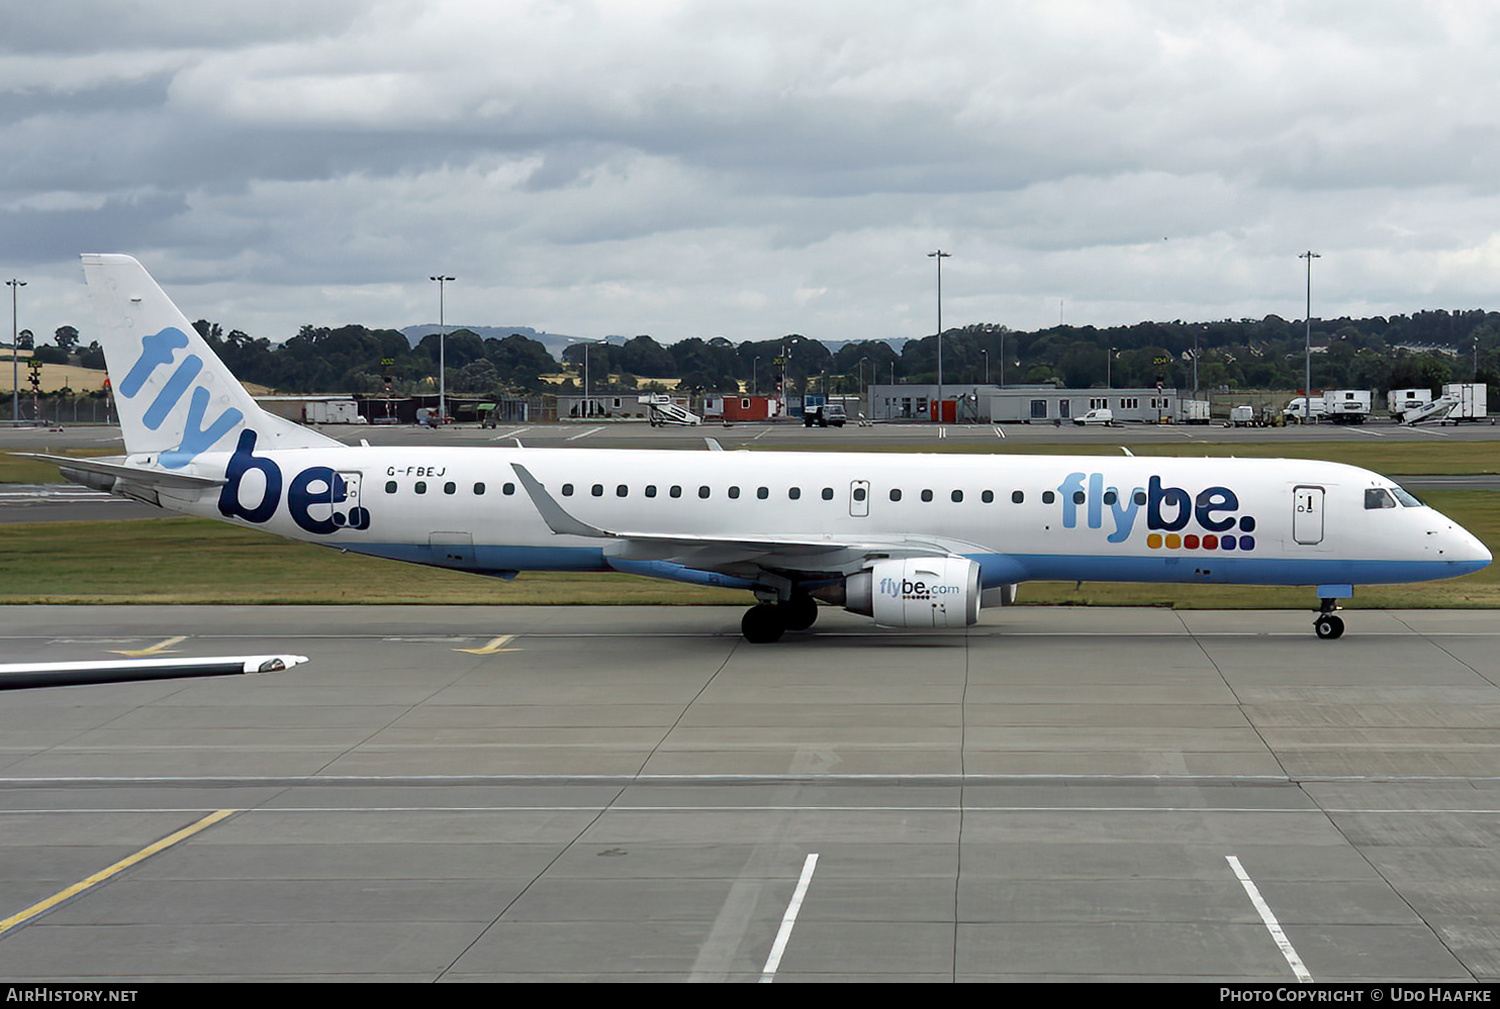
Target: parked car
column 1099, row 416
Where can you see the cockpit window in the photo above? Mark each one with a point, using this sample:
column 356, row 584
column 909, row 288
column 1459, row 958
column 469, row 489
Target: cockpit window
column 1406, row 497
column 1378, row 497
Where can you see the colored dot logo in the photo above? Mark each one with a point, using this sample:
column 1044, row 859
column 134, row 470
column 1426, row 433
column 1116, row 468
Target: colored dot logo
column 1172, row 541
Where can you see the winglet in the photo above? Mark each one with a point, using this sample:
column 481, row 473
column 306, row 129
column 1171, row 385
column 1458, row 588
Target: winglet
column 556, row 517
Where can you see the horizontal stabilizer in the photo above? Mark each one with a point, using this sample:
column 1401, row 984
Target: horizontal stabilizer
column 150, row 477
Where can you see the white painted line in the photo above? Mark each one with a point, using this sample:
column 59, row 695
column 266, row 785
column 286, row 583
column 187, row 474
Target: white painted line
column 768, row 973
column 585, row 434
column 1272, row 925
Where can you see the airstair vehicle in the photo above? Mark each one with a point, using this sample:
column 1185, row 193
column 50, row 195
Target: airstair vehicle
column 663, row 411
column 1437, row 410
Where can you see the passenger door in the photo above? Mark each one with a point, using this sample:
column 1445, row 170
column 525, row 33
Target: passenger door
column 1307, row 515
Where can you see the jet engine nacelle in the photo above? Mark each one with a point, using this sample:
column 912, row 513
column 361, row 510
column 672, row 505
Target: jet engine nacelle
column 917, row 592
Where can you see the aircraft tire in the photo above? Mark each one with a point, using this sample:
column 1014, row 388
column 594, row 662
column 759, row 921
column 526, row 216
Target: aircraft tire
column 762, row 624
column 1329, row 627
column 799, row 613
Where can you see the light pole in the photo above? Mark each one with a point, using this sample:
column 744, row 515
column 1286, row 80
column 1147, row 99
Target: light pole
column 755, row 376
column 587, row 342
column 1309, row 255
column 442, row 351
column 1109, row 370
column 1196, row 334
column 986, row 355
column 940, row 255
column 15, row 370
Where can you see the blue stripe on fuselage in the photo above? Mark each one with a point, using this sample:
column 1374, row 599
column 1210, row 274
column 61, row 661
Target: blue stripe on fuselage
column 1004, row 569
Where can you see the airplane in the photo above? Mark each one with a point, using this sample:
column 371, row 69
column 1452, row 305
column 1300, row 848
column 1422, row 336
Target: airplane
column 909, row 540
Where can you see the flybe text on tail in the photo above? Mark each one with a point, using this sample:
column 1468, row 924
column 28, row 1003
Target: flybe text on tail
column 160, row 350
column 318, row 498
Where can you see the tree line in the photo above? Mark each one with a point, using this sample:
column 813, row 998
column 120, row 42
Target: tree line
column 1426, row 349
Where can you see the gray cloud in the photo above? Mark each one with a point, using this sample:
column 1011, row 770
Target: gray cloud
column 682, row 167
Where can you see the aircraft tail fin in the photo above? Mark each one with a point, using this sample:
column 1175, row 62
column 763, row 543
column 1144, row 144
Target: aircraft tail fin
column 176, row 399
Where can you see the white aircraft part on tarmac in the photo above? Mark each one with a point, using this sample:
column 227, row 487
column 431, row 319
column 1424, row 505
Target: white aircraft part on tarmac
column 29, row 675
column 912, row 540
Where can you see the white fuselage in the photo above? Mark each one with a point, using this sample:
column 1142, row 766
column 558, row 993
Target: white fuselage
column 1269, row 522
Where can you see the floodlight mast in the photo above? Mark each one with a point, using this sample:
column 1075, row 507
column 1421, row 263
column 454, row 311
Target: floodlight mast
column 442, row 352
column 1309, row 255
column 940, row 255
column 15, row 370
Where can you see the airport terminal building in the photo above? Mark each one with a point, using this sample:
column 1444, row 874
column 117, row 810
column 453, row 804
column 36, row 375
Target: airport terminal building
column 1028, row 404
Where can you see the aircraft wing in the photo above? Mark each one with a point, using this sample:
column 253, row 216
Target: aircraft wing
column 27, row 675
column 739, row 555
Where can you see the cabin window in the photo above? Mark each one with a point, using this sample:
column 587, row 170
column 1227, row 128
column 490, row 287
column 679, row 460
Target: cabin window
column 1110, row 497
column 703, row 492
column 1017, row 496
column 621, row 490
column 567, row 489
column 927, row 495
column 956, row 497
column 827, row 493
column 1078, row 497
column 1048, row 497
column 597, row 490
column 1139, row 497
column 895, row 494
column 507, row 489
column 762, row 492
column 390, row 486
column 420, row 487
column 988, row 497
column 859, row 493
column 734, row 493
column 450, row 487
column 676, row 491
column 650, row 490
column 479, row 488
column 1378, row 497
column 794, row 493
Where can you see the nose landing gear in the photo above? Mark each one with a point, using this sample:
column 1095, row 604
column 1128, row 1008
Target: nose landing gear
column 1329, row 625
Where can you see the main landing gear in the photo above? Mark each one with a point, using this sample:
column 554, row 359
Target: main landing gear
column 1329, row 625
column 765, row 623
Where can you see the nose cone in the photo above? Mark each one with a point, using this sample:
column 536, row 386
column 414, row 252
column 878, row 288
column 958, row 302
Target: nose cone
column 1465, row 549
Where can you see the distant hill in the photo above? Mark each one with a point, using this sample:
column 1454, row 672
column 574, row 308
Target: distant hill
column 554, row 342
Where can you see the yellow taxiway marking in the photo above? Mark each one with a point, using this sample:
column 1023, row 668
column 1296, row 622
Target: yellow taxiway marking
column 156, row 649
column 492, row 646
column 41, row 906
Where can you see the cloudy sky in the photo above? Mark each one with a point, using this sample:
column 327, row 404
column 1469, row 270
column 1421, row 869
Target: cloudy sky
column 750, row 168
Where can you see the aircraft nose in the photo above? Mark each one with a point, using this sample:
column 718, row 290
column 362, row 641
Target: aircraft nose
column 1468, row 549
